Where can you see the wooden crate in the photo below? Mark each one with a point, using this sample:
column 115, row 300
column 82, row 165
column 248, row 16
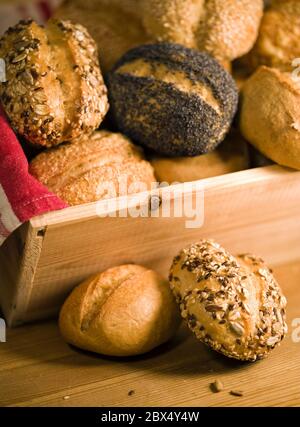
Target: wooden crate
column 255, row 211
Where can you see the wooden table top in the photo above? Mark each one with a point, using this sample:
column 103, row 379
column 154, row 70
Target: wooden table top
column 38, row 369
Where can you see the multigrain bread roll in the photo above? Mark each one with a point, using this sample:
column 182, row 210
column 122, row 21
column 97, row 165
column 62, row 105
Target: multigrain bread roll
column 124, row 311
column 234, row 305
column 95, row 168
column 177, row 101
column 231, row 156
column 278, row 41
column 54, row 90
column 270, row 115
column 114, row 24
column 226, row 29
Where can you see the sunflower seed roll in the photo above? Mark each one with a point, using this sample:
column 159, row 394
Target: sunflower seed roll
column 232, row 304
column 54, row 90
column 172, row 99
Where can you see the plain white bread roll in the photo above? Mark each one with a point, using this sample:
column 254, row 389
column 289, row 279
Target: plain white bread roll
column 124, row 311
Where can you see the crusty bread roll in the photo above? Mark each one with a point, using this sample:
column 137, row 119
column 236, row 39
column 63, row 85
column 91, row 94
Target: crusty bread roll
column 234, row 305
column 91, row 169
column 114, row 24
column 278, row 41
column 54, row 90
column 270, row 115
column 226, row 29
column 124, row 311
column 231, row 156
column 175, row 100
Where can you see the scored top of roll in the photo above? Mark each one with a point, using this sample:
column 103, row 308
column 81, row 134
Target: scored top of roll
column 175, row 100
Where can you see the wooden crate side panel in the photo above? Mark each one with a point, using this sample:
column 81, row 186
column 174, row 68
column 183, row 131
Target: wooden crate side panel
column 10, row 261
column 20, row 260
column 260, row 215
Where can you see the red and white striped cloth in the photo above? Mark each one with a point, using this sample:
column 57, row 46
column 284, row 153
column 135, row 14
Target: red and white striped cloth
column 21, row 196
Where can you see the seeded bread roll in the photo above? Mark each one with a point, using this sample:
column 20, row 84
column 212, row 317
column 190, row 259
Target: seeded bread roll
column 270, row 115
column 177, row 101
column 54, row 90
column 226, row 29
column 234, row 305
column 104, row 165
column 115, row 25
column 278, row 41
column 231, row 156
column 124, row 311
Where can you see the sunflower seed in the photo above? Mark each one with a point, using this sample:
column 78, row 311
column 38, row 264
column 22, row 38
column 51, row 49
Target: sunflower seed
column 79, row 35
column 238, row 393
column 263, row 272
column 246, row 307
column 27, row 77
column 16, row 108
column 283, row 301
column 213, row 308
column 277, row 327
column 245, row 292
column 217, row 386
column 19, row 58
column 20, row 89
column 41, row 110
column 272, row 341
column 234, row 315
column 40, row 97
column 278, row 316
column 237, row 328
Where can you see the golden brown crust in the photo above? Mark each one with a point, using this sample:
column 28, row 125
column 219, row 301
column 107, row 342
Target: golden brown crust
column 234, row 305
column 278, row 41
column 173, row 20
column 230, row 27
column 269, row 116
column 124, row 311
column 91, row 169
column 54, row 90
column 231, row 156
column 226, row 29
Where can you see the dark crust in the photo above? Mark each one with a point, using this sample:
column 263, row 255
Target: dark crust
column 185, row 124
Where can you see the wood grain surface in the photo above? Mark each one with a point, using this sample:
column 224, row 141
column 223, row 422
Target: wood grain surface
column 38, row 369
column 250, row 211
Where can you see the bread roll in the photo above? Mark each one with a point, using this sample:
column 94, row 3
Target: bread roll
column 226, row 29
column 124, row 311
column 114, row 24
column 278, row 41
column 91, row 169
column 234, row 305
column 270, row 115
column 54, row 90
column 230, row 156
column 177, row 101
